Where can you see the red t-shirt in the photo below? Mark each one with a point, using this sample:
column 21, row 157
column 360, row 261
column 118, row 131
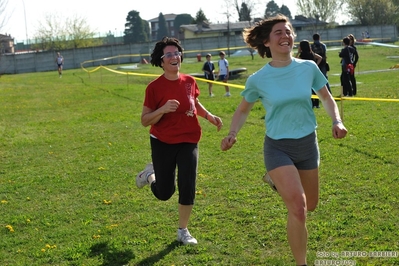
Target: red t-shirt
column 179, row 126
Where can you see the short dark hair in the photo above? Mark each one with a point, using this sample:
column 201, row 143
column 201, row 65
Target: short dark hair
column 316, row 37
column 346, row 40
column 157, row 52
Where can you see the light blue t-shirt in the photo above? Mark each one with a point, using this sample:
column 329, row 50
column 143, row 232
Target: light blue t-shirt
column 285, row 93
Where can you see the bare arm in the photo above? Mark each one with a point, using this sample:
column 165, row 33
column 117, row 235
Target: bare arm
column 150, row 117
column 318, row 58
column 201, row 111
column 338, row 129
column 238, row 120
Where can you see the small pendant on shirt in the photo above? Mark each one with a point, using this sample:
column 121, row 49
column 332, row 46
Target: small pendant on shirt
column 190, row 113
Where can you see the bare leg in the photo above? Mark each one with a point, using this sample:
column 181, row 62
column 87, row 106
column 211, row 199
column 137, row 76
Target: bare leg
column 295, row 195
column 210, row 89
column 184, row 215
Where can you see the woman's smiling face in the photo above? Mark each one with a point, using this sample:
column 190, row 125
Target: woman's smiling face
column 171, row 60
column 281, row 39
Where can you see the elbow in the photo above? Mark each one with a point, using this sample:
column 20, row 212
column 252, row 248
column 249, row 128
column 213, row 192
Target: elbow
column 144, row 122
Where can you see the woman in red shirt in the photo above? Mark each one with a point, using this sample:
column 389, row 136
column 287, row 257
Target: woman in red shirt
column 171, row 107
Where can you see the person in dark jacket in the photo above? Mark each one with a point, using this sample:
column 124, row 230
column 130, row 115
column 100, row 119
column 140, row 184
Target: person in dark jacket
column 354, row 59
column 209, row 72
column 346, row 54
column 305, row 52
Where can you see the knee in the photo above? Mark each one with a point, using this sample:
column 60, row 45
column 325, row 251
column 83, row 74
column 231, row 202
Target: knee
column 163, row 196
column 311, row 206
column 311, row 202
column 298, row 211
column 300, row 214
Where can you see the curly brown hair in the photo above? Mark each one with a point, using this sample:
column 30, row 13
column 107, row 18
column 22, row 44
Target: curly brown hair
column 157, row 52
column 256, row 36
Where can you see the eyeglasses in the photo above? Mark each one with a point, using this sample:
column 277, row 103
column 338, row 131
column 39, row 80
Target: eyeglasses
column 171, row 55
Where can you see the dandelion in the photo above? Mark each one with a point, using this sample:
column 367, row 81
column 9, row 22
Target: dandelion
column 96, row 236
column 9, row 227
column 107, row 202
column 4, row 201
column 112, row 226
column 43, row 250
column 101, row 168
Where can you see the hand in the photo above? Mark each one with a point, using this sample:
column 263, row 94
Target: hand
column 228, row 142
column 170, row 106
column 339, row 131
column 217, row 121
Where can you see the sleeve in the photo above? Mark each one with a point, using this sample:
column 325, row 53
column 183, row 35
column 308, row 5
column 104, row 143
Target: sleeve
column 250, row 93
column 149, row 100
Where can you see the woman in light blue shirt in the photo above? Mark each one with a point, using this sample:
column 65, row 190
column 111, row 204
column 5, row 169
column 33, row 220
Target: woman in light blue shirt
column 291, row 152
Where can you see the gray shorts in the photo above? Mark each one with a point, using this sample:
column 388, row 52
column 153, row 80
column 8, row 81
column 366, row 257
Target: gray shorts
column 303, row 153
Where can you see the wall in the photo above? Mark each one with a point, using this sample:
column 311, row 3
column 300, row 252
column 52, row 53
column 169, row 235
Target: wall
column 45, row 61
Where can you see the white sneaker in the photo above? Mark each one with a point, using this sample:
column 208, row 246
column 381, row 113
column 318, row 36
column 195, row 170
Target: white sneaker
column 184, row 236
column 227, row 94
column 268, row 180
column 142, row 177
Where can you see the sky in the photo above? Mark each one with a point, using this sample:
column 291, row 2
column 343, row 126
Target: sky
column 110, row 16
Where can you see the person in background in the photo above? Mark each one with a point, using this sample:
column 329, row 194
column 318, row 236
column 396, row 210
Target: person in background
column 346, row 54
column 306, row 53
column 171, row 107
column 355, row 59
column 209, row 72
column 60, row 61
column 291, row 152
column 320, row 48
column 223, row 72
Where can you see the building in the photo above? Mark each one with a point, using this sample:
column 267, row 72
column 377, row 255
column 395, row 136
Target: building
column 205, row 29
column 6, row 44
column 170, row 20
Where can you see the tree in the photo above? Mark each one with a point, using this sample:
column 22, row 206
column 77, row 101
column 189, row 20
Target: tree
column 244, row 10
column 285, row 11
column 78, row 32
column 182, row 19
column 272, row 9
column 200, row 17
column 324, row 10
column 244, row 13
column 374, row 12
column 135, row 31
column 163, row 29
column 56, row 34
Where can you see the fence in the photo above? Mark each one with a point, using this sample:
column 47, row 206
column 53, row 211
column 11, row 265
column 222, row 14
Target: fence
column 134, row 53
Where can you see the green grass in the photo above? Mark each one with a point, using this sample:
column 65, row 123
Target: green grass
column 70, row 149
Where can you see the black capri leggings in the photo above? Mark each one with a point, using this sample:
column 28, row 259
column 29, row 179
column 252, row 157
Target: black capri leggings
column 165, row 158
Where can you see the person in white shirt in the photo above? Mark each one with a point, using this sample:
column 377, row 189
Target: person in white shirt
column 60, row 61
column 224, row 71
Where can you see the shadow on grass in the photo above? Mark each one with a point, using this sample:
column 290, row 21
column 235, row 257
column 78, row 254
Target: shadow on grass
column 157, row 257
column 110, row 255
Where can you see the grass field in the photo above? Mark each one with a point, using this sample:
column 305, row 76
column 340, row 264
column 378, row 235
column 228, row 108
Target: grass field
column 70, row 149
